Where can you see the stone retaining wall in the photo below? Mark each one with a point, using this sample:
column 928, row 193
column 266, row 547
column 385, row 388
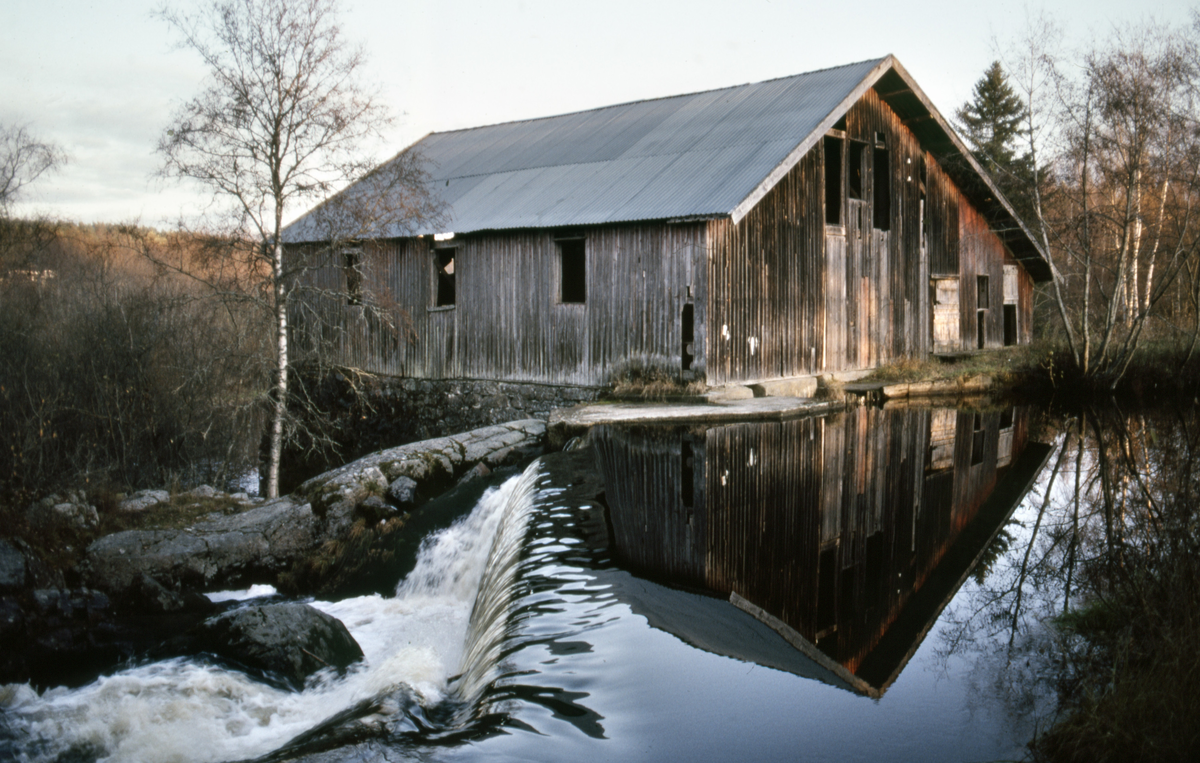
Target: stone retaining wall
column 362, row 414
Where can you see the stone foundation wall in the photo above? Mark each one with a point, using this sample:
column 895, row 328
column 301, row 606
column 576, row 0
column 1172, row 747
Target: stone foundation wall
column 363, row 415
column 441, row 408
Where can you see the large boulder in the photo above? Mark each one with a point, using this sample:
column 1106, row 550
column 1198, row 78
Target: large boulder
column 12, row 567
column 288, row 640
column 224, row 552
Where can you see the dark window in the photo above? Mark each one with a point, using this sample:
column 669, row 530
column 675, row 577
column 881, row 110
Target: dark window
column 881, row 210
column 352, row 262
column 1006, row 418
column 688, row 327
column 1010, row 325
column 833, row 181
column 981, row 285
column 855, row 181
column 574, row 272
column 444, row 262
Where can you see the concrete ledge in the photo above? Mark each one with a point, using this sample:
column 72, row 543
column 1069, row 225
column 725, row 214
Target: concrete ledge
column 571, row 422
column 729, row 392
column 966, row 386
column 844, row 377
column 798, row 386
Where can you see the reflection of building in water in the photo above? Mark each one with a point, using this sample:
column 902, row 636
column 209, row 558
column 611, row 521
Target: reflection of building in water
column 848, row 532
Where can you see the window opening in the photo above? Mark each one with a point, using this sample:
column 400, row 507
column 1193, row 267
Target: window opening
column 573, row 281
column 689, row 336
column 854, row 175
column 981, row 283
column 981, row 305
column 833, row 181
column 1006, row 418
column 444, row 259
column 882, row 208
column 352, row 263
column 1010, row 325
column 977, row 440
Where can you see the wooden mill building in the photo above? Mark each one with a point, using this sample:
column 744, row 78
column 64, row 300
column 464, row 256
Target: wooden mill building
column 824, row 222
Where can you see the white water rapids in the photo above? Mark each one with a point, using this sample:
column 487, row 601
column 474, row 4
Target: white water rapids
column 182, row 710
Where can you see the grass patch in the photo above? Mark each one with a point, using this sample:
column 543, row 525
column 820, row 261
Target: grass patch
column 1007, row 364
column 652, row 383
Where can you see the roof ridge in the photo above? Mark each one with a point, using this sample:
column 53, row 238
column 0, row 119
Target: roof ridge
column 874, row 61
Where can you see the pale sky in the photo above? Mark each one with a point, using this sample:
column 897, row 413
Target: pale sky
column 101, row 79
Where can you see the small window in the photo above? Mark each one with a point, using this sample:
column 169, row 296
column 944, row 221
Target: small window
column 573, row 283
column 981, row 285
column 855, row 181
column 444, row 262
column 352, row 264
column 688, row 331
column 833, row 181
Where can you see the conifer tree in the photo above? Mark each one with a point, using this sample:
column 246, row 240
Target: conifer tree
column 992, row 121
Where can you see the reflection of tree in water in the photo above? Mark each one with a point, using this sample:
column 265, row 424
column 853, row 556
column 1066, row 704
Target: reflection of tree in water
column 1092, row 607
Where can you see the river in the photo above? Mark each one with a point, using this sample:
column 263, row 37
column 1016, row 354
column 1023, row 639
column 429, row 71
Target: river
column 876, row 584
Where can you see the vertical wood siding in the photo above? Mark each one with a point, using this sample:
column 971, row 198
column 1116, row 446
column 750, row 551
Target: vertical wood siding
column 790, row 296
column 767, row 283
column 508, row 322
column 830, row 524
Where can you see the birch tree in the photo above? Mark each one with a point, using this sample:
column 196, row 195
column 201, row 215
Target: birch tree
column 1117, row 129
column 281, row 124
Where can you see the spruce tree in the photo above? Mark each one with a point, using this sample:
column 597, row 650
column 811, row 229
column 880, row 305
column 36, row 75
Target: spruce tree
column 992, row 122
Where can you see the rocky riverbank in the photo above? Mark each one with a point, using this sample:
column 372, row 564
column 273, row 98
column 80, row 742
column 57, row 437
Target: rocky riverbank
column 64, row 620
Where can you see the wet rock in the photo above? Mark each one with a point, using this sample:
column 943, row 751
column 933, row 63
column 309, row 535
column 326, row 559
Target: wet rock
column 147, row 596
column 70, row 604
column 374, row 510
column 479, row 471
column 142, row 500
column 403, row 490
column 12, row 621
column 223, row 552
column 290, row 640
column 12, row 567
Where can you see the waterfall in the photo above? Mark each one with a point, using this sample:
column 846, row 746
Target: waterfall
column 438, row 639
column 489, row 621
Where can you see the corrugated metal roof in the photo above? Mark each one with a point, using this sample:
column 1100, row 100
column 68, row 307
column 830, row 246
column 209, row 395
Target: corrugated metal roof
column 710, row 154
column 683, row 156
